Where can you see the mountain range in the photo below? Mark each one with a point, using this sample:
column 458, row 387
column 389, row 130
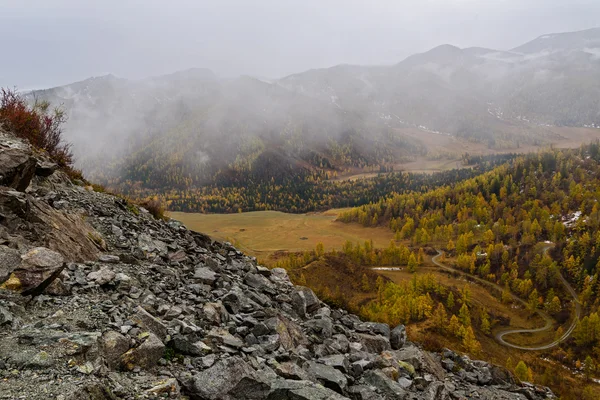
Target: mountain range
column 188, row 127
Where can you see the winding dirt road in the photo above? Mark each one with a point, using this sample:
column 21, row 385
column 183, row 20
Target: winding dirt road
column 549, row 322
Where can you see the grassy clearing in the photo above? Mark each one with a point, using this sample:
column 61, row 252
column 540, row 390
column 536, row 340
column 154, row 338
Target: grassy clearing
column 264, row 233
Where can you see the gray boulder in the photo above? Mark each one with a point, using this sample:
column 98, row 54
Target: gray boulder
column 398, row 337
column 39, row 268
column 17, row 168
column 304, row 301
column 145, row 355
column 374, row 343
column 385, row 385
column 337, row 361
column 103, row 276
column 205, row 275
column 10, row 259
column 144, row 319
column 216, row 381
column 112, row 346
column 330, row 377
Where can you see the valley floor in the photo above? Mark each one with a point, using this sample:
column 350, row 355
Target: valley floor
column 266, row 233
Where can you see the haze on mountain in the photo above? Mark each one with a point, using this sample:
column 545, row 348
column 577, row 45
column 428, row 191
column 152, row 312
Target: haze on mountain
column 196, row 123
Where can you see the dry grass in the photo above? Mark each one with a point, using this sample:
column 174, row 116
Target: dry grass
column 264, row 233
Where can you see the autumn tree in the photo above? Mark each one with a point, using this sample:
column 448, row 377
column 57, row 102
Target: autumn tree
column 464, row 315
column 412, row 263
column 440, row 318
column 450, row 300
column 364, row 284
column 522, row 372
column 454, row 325
column 470, row 342
column 320, row 250
column 485, row 322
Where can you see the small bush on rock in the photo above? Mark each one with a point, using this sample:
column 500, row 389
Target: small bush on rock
column 37, row 123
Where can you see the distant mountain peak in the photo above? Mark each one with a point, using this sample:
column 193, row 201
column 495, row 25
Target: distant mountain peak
column 565, row 41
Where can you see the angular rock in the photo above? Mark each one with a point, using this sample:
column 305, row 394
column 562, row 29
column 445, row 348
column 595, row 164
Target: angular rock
column 17, row 168
column 45, row 168
column 109, row 259
column 385, row 385
column 168, row 387
column 149, row 245
column 363, row 392
column 191, row 347
column 374, row 343
column 5, row 316
column 412, row 355
column 330, row 377
column 222, row 336
column 10, row 259
column 205, row 275
column 103, row 276
column 216, row 381
column 291, row 370
column 215, row 313
column 378, row 328
column 323, row 327
column 144, row 319
column 304, row 301
column 112, row 346
column 258, row 282
column 398, row 337
column 337, row 361
column 39, row 268
column 145, row 355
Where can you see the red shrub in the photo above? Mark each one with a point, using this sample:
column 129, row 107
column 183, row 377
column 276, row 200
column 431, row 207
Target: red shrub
column 38, row 124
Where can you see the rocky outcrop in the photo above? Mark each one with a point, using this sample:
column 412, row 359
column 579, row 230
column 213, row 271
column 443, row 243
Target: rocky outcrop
column 141, row 308
column 17, row 164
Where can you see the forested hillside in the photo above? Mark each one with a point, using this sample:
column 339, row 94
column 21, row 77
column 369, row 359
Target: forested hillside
column 184, row 131
column 492, row 223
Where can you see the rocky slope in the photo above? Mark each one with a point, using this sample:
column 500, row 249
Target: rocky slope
column 98, row 300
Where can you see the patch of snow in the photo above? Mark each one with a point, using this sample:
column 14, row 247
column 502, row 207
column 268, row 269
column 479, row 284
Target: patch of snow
column 594, row 51
column 334, row 100
column 570, row 220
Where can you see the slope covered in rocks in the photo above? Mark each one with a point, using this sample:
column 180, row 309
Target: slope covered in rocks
column 99, row 300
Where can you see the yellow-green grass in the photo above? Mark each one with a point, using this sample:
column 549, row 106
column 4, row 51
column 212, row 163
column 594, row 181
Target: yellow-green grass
column 264, row 233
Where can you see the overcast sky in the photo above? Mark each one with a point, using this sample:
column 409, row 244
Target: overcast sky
column 51, row 42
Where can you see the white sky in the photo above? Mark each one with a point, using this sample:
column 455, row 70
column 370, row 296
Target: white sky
column 51, row 42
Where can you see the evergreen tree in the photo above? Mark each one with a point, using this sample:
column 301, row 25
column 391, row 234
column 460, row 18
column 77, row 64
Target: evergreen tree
column 464, row 315
column 454, row 326
column 365, row 285
column 470, row 341
column 450, row 301
column 412, row 263
column 522, row 372
column 440, row 318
